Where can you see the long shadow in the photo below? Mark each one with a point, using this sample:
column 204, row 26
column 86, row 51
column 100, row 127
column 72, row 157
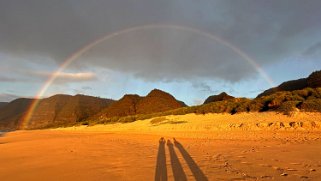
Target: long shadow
column 197, row 172
column 161, row 170
column 178, row 172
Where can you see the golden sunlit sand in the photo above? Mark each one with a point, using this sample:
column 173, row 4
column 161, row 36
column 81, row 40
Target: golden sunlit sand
column 247, row 146
column 217, row 126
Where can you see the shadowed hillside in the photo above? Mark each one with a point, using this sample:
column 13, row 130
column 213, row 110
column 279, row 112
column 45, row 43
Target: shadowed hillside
column 313, row 81
column 65, row 110
column 155, row 101
column 123, row 107
column 2, row 104
column 221, row 97
column 285, row 102
column 11, row 113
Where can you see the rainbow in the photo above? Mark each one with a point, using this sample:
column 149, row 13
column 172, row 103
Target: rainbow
column 25, row 121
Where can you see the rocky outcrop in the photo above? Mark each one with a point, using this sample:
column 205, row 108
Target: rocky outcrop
column 220, row 97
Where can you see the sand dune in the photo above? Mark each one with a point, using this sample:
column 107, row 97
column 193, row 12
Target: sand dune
column 207, row 147
column 216, row 126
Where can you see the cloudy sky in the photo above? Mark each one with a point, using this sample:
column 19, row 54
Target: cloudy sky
column 189, row 48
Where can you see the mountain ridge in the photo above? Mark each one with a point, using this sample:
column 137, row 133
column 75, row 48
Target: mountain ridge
column 313, row 81
column 132, row 104
column 220, row 97
column 66, row 110
column 51, row 111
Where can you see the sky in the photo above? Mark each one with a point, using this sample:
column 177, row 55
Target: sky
column 191, row 49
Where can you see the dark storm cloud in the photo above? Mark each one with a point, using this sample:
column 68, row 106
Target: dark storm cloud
column 266, row 30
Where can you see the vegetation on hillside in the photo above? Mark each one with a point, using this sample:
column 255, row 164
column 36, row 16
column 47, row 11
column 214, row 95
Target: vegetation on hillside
column 220, row 97
column 286, row 102
column 65, row 110
column 313, row 81
column 155, row 101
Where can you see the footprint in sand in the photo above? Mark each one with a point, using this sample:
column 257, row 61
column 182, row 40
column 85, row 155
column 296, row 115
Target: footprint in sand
column 240, row 156
column 277, row 168
column 291, row 169
column 266, row 177
column 284, row 174
column 304, row 177
column 313, row 170
column 246, row 163
column 265, row 165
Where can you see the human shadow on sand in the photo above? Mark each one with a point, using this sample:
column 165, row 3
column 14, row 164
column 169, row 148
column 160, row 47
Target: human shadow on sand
column 161, row 170
column 178, row 172
column 197, row 172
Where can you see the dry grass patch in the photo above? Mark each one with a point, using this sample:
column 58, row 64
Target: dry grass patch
column 163, row 120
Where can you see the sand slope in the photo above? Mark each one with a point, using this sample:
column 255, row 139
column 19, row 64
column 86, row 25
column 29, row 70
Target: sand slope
column 216, row 126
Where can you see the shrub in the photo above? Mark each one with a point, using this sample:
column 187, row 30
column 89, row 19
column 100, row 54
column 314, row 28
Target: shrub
column 127, row 119
column 158, row 120
column 311, row 105
column 288, row 107
column 85, row 123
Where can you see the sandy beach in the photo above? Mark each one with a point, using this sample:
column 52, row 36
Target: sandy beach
column 256, row 146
